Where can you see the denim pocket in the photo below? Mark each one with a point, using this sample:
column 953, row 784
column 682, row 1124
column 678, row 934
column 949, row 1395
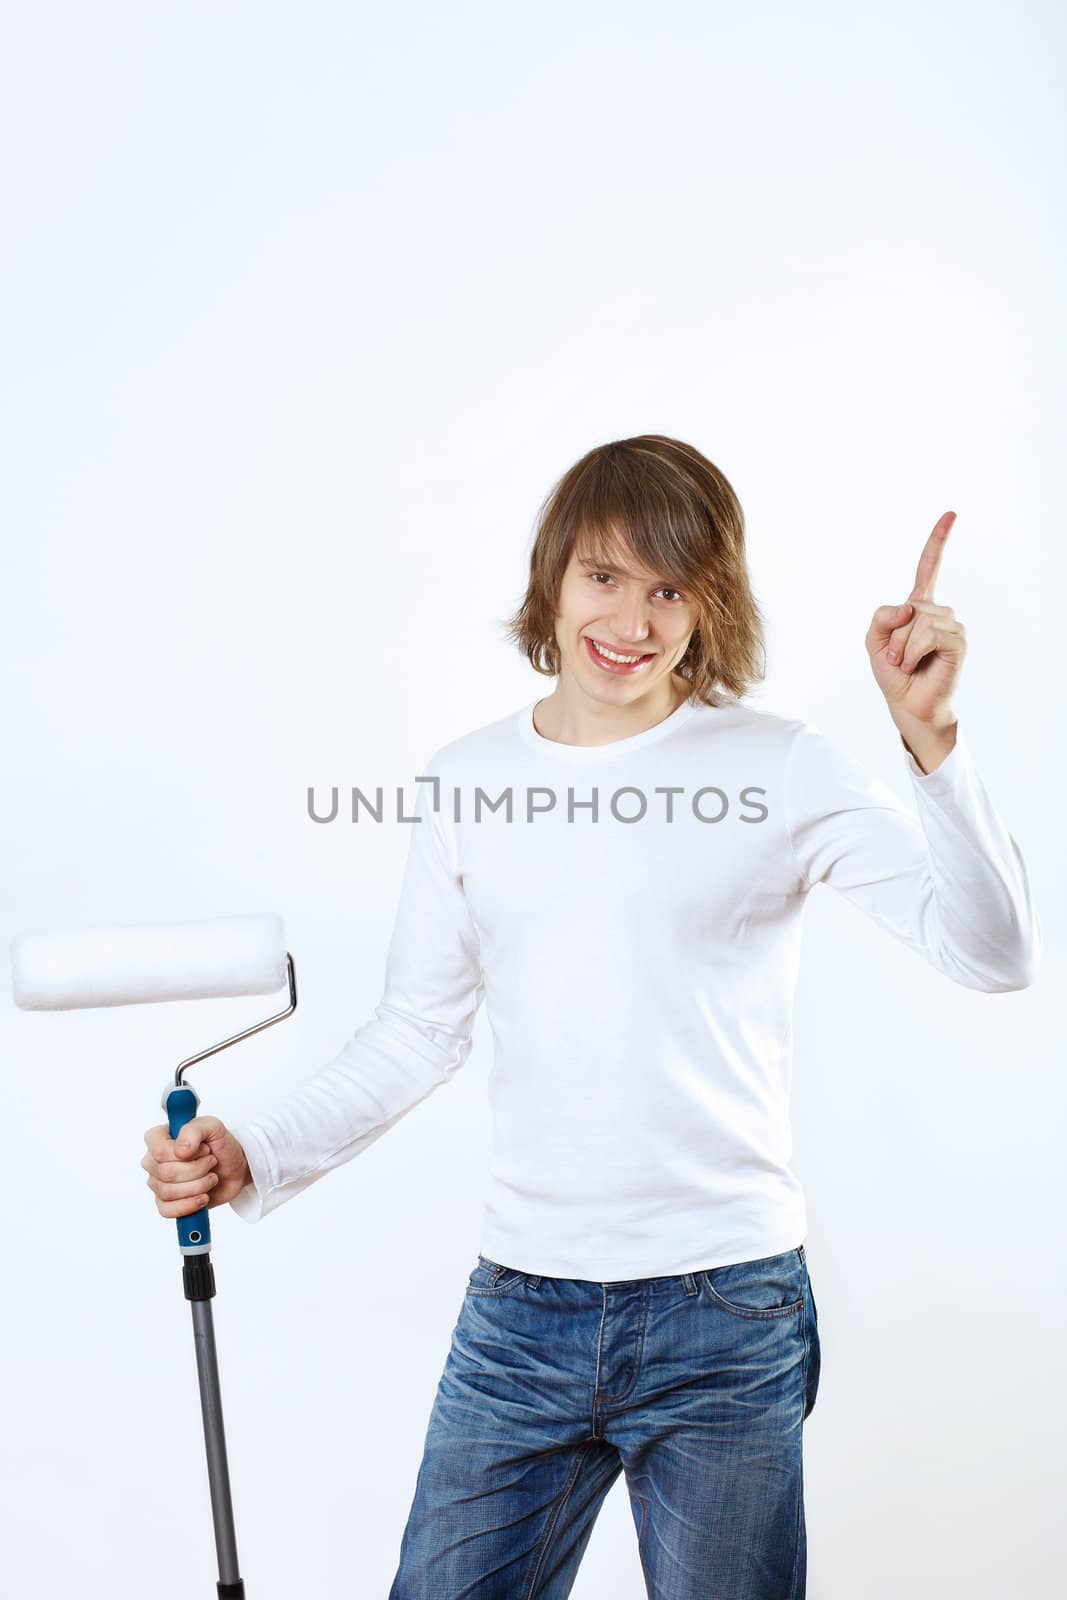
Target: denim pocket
column 773, row 1286
column 490, row 1278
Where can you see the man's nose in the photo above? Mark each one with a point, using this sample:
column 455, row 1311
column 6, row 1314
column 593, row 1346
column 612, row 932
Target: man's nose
column 631, row 622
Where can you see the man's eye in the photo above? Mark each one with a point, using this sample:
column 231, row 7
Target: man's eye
column 663, row 589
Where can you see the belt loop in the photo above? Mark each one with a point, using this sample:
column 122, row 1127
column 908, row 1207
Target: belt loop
column 533, row 1279
column 800, row 1253
column 689, row 1282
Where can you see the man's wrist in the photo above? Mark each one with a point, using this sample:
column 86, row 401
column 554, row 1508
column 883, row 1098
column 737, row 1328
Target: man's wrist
column 928, row 742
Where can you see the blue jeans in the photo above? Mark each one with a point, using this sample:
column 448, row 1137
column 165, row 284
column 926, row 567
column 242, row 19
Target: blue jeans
column 696, row 1386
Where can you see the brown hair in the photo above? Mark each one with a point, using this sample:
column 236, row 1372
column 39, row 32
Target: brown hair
column 682, row 520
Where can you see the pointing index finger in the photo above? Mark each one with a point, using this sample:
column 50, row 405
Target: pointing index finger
column 930, row 560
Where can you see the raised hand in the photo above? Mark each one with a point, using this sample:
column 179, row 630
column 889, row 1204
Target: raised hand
column 917, row 648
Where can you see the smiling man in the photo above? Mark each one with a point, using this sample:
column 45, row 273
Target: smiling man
column 622, row 633
column 641, row 1303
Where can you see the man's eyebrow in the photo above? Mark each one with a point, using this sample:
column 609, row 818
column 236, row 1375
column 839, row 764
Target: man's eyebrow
column 602, row 564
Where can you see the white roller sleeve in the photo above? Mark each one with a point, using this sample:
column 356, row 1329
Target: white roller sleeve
column 136, row 963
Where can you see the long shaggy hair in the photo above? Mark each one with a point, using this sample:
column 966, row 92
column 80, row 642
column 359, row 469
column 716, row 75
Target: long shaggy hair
column 678, row 515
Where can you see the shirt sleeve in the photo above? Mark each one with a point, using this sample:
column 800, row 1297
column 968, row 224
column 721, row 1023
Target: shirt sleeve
column 419, row 1037
column 948, row 879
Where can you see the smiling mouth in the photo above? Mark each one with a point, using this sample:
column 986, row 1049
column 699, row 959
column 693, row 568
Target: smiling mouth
column 615, row 660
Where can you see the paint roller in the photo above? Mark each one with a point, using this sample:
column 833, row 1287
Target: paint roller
column 138, row 964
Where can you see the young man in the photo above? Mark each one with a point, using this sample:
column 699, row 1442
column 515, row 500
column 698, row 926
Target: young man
column 621, row 870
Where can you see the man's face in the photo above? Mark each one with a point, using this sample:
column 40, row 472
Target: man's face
column 607, row 598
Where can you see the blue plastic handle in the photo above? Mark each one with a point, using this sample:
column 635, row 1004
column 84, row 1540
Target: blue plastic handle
column 194, row 1230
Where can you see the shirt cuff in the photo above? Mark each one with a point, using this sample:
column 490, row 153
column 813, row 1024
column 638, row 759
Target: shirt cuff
column 250, row 1202
column 956, row 768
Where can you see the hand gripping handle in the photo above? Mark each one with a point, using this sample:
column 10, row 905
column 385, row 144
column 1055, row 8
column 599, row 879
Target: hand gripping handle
column 194, row 1230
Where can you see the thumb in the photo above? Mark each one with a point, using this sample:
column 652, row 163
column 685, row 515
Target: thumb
column 197, row 1131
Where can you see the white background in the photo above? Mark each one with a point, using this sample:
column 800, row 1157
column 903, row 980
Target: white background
column 305, row 309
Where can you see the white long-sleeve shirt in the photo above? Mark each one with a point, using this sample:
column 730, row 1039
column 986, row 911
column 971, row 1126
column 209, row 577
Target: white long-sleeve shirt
column 639, row 974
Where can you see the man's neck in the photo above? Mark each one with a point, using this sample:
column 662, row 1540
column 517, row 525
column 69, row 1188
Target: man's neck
column 569, row 716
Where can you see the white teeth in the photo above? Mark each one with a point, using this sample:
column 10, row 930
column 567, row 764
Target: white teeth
column 611, row 656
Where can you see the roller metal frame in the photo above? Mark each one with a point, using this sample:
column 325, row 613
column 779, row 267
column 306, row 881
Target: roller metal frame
column 180, row 1103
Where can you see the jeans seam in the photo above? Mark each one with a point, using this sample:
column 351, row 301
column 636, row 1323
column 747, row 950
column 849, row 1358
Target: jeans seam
column 796, row 1538
column 550, row 1528
column 800, row 1474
